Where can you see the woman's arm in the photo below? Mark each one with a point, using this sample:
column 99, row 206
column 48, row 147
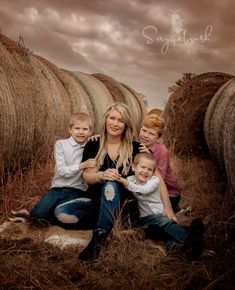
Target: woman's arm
column 165, row 198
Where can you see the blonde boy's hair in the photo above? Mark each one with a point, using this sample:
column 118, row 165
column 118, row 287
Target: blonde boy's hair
column 145, row 155
column 78, row 116
column 128, row 135
column 153, row 121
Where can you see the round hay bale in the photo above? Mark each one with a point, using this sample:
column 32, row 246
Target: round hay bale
column 17, row 119
column 112, row 86
column 185, row 110
column 156, row 112
column 140, row 104
column 219, row 129
column 98, row 93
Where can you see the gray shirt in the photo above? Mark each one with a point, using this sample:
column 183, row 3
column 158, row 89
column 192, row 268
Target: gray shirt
column 68, row 156
column 148, row 195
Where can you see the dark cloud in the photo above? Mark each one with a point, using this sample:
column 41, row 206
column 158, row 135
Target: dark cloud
column 127, row 39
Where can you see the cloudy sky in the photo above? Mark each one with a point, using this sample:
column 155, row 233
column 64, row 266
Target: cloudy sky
column 147, row 44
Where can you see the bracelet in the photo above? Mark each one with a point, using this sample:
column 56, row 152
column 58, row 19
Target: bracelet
column 98, row 179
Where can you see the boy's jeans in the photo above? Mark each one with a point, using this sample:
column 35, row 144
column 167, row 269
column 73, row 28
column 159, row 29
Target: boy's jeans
column 93, row 213
column 44, row 209
column 174, row 232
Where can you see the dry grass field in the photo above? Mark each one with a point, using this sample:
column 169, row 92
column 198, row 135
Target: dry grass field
column 129, row 262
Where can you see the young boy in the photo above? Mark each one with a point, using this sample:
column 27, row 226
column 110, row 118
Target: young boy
column 145, row 186
column 67, row 182
column 151, row 131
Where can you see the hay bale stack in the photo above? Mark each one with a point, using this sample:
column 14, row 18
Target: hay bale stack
column 219, row 129
column 185, row 110
column 37, row 98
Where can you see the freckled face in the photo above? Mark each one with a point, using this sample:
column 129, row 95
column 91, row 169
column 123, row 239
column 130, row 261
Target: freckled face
column 80, row 131
column 115, row 124
column 144, row 169
column 148, row 136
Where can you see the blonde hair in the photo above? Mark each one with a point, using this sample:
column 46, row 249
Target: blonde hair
column 145, row 155
column 81, row 117
column 153, row 121
column 128, row 136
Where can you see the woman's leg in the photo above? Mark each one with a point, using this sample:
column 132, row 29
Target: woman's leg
column 109, row 205
column 108, row 213
column 80, row 213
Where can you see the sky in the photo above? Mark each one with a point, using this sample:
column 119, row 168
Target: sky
column 147, row 45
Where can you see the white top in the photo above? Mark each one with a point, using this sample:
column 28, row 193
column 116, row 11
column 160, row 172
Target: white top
column 147, row 194
column 68, row 156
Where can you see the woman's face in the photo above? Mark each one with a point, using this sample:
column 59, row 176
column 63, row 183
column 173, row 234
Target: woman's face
column 115, row 124
column 148, row 136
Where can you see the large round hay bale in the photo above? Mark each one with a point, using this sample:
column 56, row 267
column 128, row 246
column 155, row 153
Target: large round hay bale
column 219, row 129
column 140, row 105
column 99, row 95
column 112, row 86
column 17, row 116
column 37, row 99
column 185, row 110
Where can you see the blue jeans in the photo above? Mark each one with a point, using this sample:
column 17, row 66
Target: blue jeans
column 44, row 209
column 174, row 232
column 94, row 214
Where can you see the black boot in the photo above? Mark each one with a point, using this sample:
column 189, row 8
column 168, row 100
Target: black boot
column 92, row 250
column 193, row 246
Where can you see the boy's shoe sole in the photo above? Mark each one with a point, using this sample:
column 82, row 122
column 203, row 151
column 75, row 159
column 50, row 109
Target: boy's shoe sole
column 20, row 213
column 16, row 219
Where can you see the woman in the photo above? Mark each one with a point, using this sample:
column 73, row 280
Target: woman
column 114, row 153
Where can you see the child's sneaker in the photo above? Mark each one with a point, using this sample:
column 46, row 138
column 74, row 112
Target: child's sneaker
column 20, row 213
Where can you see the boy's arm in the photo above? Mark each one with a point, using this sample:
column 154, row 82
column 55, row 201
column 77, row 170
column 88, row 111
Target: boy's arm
column 165, row 198
column 69, row 170
column 147, row 188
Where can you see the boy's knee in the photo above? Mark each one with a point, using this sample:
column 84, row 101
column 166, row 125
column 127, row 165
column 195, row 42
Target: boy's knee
column 67, row 219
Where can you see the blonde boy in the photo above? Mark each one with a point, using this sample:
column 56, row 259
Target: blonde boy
column 145, row 187
column 67, row 182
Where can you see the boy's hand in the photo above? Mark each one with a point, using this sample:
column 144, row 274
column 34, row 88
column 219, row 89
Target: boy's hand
column 90, row 163
column 124, row 181
column 143, row 148
column 94, row 138
column 170, row 214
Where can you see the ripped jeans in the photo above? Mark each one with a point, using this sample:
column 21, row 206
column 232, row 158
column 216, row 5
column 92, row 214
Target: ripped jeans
column 86, row 213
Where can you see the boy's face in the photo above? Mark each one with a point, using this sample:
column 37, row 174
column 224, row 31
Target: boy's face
column 144, row 169
column 80, row 131
column 148, row 136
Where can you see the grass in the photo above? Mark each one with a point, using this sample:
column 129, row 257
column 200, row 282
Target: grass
column 129, row 262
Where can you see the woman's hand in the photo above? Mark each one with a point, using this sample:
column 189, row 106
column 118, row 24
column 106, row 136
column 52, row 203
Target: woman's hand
column 143, row 148
column 94, row 137
column 110, row 174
